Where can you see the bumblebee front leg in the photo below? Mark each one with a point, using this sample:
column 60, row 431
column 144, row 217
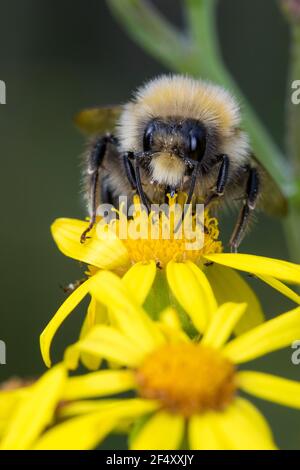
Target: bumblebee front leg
column 129, row 170
column 221, row 181
column 96, row 158
column 133, row 174
column 252, row 192
column 139, row 186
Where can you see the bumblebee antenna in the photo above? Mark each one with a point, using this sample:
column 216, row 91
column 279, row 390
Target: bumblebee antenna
column 196, row 170
column 193, row 183
column 190, row 195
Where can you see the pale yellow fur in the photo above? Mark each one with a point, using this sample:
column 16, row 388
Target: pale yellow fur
column 178, row 95
column 183, row 97
column 167, row 169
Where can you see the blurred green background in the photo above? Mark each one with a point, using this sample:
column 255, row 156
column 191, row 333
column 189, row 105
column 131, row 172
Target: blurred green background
column 56, row 58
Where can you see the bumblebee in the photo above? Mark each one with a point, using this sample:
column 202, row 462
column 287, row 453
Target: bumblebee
column 176, row 134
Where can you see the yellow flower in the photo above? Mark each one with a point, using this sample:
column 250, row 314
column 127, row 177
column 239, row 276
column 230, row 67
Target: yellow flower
column 183, row 388
column 25, row 412
column 188, row 388
column 165, row 270
column 32, row 417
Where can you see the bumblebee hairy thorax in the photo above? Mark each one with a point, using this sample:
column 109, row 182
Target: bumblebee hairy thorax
column 175, row 134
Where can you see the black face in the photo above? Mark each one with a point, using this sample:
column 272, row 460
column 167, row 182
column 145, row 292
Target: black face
column 186, row 138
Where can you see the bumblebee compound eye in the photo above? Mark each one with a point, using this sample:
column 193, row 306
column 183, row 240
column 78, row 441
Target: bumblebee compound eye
column 148, row 137
column 197, row 142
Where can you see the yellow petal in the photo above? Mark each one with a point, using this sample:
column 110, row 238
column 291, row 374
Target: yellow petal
column 106, row 252
column 9, row 400
column 81, row 407
column 72, row 355
column 62, row 313
column 97, row 384
column 35, row 411
column 170, row 325
column 205, row 284
column 121, row 409
column 85, row 432
column 139, row 279
column 163, row 431
column 107, row 343
column 270, row 336
column 229, row 286
column 223, row 323
column 128, row 316
column 269, row 387
column 245, row 428
column 80, row 433
column 205, row 434
column 192, row 295
column 96, row 314
column 282, row 288
column 283, row 270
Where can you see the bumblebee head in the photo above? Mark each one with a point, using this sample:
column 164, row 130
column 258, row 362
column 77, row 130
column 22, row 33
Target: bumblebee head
column 181, row 138
column 180, row 116
column 179, row 121
column 174, row 144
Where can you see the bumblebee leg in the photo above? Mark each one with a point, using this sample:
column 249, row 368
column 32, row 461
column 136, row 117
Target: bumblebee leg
column 139, row 185
column 95, row 160
column 221, row 181
column 252, row 192
column 193, row 183
column 129, row 169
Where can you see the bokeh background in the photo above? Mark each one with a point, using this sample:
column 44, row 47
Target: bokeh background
column 56, row 58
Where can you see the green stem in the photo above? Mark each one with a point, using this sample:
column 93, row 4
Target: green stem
column 150, row 29
column 292, row 227
column 202, row 26
column 293, row 109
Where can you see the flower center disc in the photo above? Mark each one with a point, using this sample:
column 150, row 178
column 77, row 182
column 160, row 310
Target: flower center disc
column 149, row 238
column 187, row 378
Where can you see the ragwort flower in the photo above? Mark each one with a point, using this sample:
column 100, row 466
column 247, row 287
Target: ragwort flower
column 191, row 386
column 168, row 270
